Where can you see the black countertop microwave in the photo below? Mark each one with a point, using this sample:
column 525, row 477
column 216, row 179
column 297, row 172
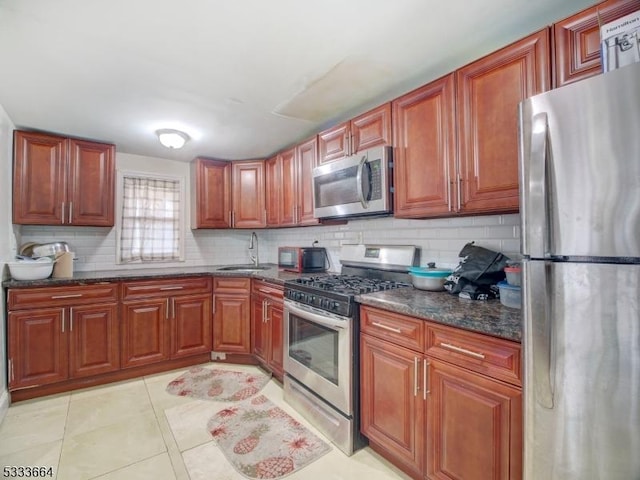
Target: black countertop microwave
column 302, row 259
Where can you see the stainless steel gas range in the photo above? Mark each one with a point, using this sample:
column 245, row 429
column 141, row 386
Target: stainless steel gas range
column 321, row 329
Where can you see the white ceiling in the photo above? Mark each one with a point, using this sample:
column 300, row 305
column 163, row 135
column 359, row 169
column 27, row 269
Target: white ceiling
column 244, row 78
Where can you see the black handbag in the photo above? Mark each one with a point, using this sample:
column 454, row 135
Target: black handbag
column 477, row 274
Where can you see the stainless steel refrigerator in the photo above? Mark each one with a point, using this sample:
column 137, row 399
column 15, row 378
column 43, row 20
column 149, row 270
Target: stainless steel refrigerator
column 580, row 210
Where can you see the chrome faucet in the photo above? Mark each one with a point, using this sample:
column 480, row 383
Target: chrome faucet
column 253, row 244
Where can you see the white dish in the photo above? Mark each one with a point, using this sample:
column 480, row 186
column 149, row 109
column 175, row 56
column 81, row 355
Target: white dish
column 31, row 270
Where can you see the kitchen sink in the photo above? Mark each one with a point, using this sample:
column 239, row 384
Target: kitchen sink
column 243, row 268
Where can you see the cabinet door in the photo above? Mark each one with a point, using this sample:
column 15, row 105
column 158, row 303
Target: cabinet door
column 307, row 160
column 577, row 40
column 425, row 150
column 272, row 176
column 334, row 143
column 211, row 193
column 231, row 324
column 288, row 188
column 259, row 334
column 392, row 405
column 474, row 426
column 39, row 179
column 91, row 189
column 38, row 347
column 371, row 129
column 145, row 332
column 94, row 339
column 489, row 91
column 248, row 194
column 275, row 322
column 192, row 319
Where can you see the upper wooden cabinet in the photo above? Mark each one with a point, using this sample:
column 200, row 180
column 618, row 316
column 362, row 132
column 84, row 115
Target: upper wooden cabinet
column 227, row 194
column 365, row 131
column 247, row 193
column 577, row 40
column 210, row 193
column 289, row 189
column 281, row 189
column 62, row 181
column 435, row 175
column 425, row 150
column 488, row 93
column 306, row 161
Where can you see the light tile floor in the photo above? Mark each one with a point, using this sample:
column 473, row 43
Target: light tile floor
column 122, row 431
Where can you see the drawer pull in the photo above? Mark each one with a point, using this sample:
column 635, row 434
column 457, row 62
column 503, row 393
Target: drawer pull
column 266, row 291
column 179, row 287
column 386, row 327
column 462, row 350
column 72, row 295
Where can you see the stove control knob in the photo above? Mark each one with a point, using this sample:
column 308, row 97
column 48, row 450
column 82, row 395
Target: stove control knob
column 335, row 305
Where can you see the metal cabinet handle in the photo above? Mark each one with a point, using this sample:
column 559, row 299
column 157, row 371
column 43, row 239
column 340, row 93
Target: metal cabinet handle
column 461, row 350
column 74, row 295
column 173, row 308
column 425, row 379
column 71, row 319
column 385, row 327
column 70, row 211
column 166, row 311
column 62, row 208
column 459, row 192
column 179, row 287
column 11, row 377
column 213, row 305
column 415, row 376
column 63, row 319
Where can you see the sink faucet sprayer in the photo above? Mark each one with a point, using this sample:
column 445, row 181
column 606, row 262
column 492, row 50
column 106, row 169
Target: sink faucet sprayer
column 253, row 243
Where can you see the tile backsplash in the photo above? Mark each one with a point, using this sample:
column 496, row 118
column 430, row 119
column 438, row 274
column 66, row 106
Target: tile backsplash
column 440, row 240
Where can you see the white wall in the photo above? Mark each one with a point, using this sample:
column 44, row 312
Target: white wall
column 7, row 242
column 440, row 239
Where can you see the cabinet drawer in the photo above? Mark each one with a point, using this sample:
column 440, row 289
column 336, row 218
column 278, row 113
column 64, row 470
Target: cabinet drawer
column 399, row 329
column 163, row 288
column 24, row 298
column 494, row 357
column 261, row 287
column 231, row 285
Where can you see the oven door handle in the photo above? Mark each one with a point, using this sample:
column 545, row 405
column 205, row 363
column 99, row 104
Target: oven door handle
column 316, row 318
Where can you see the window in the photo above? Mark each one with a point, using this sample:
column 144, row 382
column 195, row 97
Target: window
column 151, row 223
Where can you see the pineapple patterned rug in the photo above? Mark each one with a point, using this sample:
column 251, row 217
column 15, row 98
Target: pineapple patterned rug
column 220, row 385
column 262, row 441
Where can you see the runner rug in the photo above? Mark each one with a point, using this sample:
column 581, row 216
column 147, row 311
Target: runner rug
column 220, row 385
column 262, row 441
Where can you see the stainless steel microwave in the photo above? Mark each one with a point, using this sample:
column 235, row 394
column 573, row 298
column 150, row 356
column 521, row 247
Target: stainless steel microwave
column 354, row 186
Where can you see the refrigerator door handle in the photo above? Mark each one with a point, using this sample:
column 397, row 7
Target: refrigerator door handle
column 541, row 329
column 538, row 220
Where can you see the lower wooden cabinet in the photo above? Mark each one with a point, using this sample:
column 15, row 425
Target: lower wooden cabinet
column 57, row 334
column 165, row 319
column 392, row 414
column 231, row 318
column 474, row 426
column 267, row 318
column 440, row 419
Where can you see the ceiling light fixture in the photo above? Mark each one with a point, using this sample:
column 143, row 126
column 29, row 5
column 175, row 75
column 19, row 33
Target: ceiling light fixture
column 172, row 138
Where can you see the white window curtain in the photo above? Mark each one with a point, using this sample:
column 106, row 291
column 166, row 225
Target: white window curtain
column 150, row 229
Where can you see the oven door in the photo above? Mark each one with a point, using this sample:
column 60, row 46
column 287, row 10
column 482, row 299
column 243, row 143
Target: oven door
column 318, row 353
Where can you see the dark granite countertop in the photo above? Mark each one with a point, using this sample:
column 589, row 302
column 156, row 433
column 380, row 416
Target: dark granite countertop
column 489, row 317
column 271, row 274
